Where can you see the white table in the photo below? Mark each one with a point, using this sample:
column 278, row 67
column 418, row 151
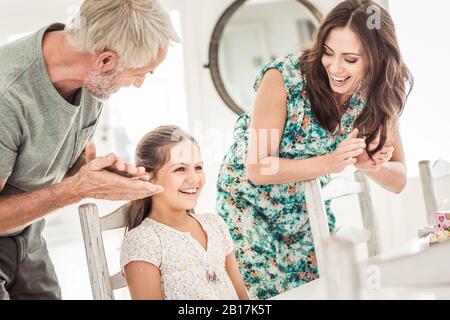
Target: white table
column 317, row 289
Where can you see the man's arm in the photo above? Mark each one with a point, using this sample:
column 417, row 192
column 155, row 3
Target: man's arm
column 92, row 181
column 23, row 209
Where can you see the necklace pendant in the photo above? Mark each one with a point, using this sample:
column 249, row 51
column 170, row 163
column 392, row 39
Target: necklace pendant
column 212, row 276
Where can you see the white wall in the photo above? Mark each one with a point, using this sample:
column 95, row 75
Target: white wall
column 20, row 16
column 424, row 42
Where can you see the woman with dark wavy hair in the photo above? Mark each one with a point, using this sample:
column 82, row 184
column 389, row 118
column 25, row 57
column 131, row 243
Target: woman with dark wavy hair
column 316, row 112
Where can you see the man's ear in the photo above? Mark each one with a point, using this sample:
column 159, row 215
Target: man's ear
column 106, row 61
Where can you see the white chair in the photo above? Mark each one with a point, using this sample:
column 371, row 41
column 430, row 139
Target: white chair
column 92, row 226
column 339, row 187
column 424, row 274
column 430, row 176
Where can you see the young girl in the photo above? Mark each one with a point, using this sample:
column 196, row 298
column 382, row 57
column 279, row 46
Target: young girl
column 168, row 252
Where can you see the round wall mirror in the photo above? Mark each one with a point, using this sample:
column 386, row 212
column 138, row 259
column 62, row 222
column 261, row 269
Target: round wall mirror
column 250, row 34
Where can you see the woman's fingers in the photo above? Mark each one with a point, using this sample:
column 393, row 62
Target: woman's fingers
column 352, row 135
column 384, row 151
column 351, row 146
column 383, row 158
column 351, row 141
column 351, row 154
column 349, row 161
column 387, row 150
column 389, row 156
column 349, row 151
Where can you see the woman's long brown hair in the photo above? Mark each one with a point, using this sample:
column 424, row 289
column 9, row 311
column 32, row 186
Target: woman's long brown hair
column 152, row 152
column 385, row 82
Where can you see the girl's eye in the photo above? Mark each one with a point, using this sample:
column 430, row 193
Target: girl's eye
column 327, row 53
column 352, row 61
column 179, row 169
column 198, row 168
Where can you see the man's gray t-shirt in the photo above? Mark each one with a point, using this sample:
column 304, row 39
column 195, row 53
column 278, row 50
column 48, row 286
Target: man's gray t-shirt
column 41, row 134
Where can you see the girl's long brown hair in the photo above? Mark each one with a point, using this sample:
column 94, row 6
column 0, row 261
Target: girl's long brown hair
column 384, row 84
column 152, row 152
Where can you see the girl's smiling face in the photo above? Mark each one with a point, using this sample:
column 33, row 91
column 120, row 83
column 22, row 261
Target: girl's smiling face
column 181, row 177
column 344, row 61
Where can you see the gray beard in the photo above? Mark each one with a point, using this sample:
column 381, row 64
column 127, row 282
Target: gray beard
column 99, row 85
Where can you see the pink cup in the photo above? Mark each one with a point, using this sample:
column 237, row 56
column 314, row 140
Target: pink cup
column 442, row 219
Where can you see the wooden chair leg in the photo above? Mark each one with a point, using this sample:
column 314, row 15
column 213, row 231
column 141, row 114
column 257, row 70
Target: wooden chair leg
column 95, row 253
column 318, row 219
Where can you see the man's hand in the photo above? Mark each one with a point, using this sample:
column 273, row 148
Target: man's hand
column 111, row 179
column 119, row 167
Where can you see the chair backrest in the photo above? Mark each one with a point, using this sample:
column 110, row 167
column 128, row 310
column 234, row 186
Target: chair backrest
column 348, row 278
column 339, row 187
column 92, row 226
column 429, row 176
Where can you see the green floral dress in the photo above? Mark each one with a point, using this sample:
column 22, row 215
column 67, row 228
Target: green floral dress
column 269, row 224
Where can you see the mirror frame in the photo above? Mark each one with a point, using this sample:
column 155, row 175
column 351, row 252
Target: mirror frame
column 213, row 55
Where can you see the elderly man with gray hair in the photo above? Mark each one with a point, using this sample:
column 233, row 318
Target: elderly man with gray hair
column 52, row 87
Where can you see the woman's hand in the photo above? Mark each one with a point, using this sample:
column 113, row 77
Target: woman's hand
column 364, row 163
column 346, row 153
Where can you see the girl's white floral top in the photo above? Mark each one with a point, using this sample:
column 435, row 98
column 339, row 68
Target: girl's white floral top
column 188, row 271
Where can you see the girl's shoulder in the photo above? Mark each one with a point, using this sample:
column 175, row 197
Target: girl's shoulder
column 141, row 244
column 144, row 232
